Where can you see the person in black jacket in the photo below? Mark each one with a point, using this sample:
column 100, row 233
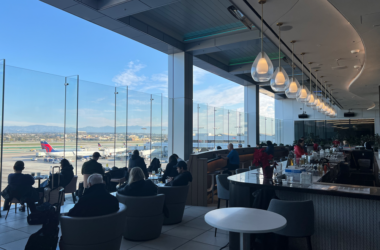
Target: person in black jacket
column 96, row 201
column 20, row 186
column 183, row 178
column 137, row 185
column 137, row 161
column 65, row 177
column 170, row 170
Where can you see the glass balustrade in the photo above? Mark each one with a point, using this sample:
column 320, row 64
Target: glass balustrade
column 49, row 117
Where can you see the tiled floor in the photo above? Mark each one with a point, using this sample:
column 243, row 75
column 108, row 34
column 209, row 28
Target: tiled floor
column 191, row 233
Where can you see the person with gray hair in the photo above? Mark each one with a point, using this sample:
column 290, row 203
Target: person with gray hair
column 96, row 201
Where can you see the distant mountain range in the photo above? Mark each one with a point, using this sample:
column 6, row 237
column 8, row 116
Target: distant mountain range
column 38, row 129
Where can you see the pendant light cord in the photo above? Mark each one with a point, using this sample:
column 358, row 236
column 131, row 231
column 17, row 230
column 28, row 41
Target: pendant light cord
column 293, row 60
column 262, row 14
column 279, row 47
column 302, row 69
column 310, row 80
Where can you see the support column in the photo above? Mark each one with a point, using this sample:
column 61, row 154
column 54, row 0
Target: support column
column 180, row 134
column 252, row 108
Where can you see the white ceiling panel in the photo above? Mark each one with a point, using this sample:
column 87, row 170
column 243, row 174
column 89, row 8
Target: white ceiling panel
column 84, row 12
column 125, row 9
column 60, row 3
column 108, row 23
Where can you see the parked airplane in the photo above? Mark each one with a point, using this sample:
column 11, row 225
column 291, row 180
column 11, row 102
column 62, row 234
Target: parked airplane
column 50, row 151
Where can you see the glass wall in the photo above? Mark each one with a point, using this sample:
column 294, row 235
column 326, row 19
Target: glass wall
column 214, row 126
column 271, row 130
column 49, row 117
column 325, row 132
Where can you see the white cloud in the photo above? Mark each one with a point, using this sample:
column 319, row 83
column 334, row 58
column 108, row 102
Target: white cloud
column 130, row 77
column 136, row 80
column 198, row 74
column 220, row 96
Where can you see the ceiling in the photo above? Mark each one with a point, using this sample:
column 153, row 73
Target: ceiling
column 224, row 46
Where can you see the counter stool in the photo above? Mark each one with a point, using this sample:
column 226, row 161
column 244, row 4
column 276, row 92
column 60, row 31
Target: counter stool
column 299, row 216
column 223, row 189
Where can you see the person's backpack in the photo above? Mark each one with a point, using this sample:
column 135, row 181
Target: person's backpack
column 154, row 165
column 47, row 237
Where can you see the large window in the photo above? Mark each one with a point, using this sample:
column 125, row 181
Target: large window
column 349, row 129
column 49, row 117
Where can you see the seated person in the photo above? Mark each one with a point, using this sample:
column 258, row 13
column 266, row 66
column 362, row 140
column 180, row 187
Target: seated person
column 183, row 178
column 345, row 143
column 170, row 170
column 96, row 201
column 20, row 186
column 137, row 161
column 65, row 176
column 270, row 148
column 240, row 145
column 232, row 158
column 218, row 147
column 93, row 166
column 137, row 185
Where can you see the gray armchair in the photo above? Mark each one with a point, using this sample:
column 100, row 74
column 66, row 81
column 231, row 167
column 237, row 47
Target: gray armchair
column 144, row 216
column 223, row 188
column 93, row 233
column 175, row 201
column 299, row 217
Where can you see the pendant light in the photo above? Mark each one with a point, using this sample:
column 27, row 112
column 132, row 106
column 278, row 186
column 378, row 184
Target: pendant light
column 262, row 67
column 321, row 103
column 280, row 79
column 311, row 98
column 294, row 87
column 304, row 92
column 317, row 101
column 325, row 105
column 332, row 111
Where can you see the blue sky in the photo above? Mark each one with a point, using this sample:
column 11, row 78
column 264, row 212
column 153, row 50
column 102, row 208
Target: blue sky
column 39, row 37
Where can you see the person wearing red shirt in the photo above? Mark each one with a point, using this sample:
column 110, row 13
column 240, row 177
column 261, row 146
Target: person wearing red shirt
column 299, row 150
column 336, row 142
column 315, row 146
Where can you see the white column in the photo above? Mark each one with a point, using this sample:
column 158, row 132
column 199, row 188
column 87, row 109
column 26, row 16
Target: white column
column 251, row 107
column 180, row 139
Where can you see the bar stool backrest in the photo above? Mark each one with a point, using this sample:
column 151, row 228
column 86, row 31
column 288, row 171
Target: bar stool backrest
column 298, row 214
column 223, row 186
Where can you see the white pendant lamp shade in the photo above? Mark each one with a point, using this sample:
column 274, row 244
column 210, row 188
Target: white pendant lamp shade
column 320, row 105
column 294, row 89
column 310, row 100
column 262, row 68
column 303, row 95
column 279, row 80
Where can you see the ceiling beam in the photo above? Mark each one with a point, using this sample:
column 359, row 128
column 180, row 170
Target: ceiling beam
column 221, row 43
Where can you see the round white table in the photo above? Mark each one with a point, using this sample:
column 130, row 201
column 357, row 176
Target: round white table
column 245, row 221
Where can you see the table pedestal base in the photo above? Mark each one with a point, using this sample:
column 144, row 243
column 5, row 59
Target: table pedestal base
column 245, row 241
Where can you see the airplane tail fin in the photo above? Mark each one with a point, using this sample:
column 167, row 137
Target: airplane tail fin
column 45, row 145
column 99, row 145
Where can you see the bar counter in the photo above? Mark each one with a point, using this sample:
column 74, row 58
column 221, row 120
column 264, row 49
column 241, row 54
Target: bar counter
column 348, row 219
